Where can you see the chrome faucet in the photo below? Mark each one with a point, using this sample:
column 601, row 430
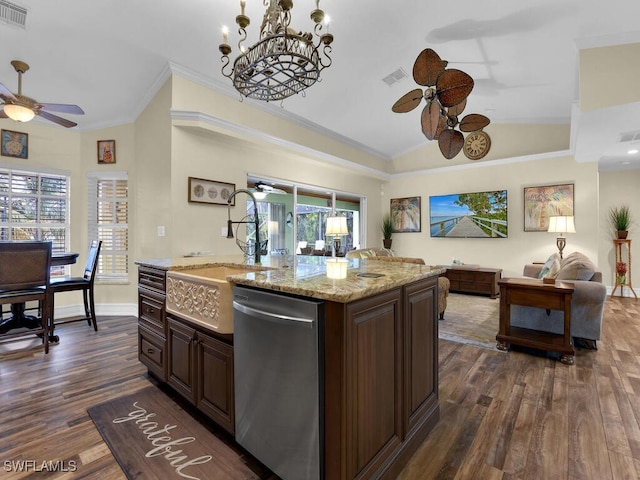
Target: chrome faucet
column 255, row 218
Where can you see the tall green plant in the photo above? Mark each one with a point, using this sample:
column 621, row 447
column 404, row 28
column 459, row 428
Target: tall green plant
column 620, row 217
column 386, row 227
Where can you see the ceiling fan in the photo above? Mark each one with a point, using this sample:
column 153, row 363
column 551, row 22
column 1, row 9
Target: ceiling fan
column 22, row 108
column 261, row 190
column 446, row 96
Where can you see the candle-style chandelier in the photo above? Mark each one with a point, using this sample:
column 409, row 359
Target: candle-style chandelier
column 283, row 61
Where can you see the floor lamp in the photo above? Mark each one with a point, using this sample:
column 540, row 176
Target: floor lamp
column 561, row 224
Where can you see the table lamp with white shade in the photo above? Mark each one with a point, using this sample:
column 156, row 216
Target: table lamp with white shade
column 336, row 228
column 561, row 224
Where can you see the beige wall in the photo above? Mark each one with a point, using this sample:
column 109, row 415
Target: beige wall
column 521, row 247
column 507, row 141
column 609, row 76
column 618, row 188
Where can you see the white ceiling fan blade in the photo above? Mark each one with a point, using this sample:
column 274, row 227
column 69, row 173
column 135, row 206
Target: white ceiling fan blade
column 5, row 92
column 62, row 108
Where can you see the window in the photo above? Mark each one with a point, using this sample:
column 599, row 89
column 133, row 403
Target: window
column 35, row 206
column 109, row 221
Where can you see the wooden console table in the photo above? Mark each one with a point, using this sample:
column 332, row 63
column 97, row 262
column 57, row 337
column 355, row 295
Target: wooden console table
column 474, row 280
column 532, row 292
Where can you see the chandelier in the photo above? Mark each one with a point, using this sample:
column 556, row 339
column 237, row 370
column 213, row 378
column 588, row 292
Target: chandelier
column 283, row 61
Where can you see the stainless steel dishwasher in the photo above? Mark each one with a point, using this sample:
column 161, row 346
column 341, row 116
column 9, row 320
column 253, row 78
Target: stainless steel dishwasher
column 277, row 344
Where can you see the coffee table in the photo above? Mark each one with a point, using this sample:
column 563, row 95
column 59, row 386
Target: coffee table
column 533, row 292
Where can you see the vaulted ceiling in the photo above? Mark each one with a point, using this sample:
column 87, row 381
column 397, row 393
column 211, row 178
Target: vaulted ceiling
column 523, row 56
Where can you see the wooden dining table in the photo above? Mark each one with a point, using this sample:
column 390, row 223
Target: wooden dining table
column 18, row 318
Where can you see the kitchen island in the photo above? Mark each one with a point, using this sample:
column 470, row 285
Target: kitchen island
column 378, row 353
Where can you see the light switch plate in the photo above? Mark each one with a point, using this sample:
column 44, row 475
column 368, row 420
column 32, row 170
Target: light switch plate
column 223, row 231
column 161, row 231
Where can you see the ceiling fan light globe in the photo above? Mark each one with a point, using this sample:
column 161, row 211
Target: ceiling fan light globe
column 19, row 113
column 260, row 195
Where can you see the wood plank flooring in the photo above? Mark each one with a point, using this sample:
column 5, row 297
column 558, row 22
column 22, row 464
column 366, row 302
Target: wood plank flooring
column 506, row 416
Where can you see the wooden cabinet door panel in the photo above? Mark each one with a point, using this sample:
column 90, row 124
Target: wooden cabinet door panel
column 180, row 346
column 215, row 395
column 421, row 330
column 374, row 381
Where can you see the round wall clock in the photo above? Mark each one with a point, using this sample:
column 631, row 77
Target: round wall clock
column 477, row 145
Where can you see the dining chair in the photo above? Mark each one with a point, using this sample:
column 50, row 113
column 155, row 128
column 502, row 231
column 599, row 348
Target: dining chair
column 84, row 283
column 24, row 277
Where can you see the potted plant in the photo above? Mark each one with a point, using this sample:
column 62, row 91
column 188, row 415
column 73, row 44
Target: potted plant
column 387, row 230
column 620, row 220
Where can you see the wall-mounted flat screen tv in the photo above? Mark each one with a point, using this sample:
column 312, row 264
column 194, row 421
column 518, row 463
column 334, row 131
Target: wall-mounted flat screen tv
column 469, row 215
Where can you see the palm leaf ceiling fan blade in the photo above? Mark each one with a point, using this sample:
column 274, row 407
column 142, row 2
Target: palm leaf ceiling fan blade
column 450, row 142
column 427, row 67
column 453, row 86
column 62, row 108
column 446, row 96
column 456, row 110
column 408, row 101
column 55, row 119
column 473, row 122
column 431, row 120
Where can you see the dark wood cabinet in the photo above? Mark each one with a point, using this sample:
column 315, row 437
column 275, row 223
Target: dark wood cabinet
column 152, row 323
column 474, row 280
column 381, row 383
column 421, row 354
column 215, row 388
column 181, row 344
column 200, row 368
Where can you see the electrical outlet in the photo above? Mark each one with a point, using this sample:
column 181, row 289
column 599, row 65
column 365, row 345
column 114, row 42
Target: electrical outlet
column 223, row 231
column 161, row 231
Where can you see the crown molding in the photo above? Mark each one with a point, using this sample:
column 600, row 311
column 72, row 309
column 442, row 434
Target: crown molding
column 191, row 119
column 268, row 107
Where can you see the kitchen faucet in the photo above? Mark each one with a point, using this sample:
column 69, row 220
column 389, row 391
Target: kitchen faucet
column 256, row 220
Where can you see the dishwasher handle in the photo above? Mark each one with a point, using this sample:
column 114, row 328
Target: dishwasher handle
column 272, row 317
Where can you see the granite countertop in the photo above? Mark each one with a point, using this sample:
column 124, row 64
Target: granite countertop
column 306, row 275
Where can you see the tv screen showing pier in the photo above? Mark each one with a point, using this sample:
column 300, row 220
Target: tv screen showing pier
column 469, row 215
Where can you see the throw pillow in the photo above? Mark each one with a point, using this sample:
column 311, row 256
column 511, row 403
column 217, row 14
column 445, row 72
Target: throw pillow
column 576, row 267
column 550, row 267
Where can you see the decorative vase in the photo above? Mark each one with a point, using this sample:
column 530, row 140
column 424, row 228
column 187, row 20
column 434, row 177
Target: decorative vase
column 622, row 234
column 386, row 242
column 622, row 279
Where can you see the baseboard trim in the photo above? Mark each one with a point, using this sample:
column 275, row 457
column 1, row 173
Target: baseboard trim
column 106, row 309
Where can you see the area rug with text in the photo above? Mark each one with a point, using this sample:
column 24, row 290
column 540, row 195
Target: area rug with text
column 152, row 437
column 471, row 319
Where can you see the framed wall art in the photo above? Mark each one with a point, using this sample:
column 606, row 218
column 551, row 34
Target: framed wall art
column 210, row 191
column 14, row 144
column 544, row 201
column 405, row 214
column 106, row 151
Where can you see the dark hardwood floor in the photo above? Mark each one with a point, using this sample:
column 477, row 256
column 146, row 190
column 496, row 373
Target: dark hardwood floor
column 503, row 415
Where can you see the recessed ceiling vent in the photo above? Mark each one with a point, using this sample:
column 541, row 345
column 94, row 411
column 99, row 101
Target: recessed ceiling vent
column 630, row 136
column 394, row 77
column 13, row 14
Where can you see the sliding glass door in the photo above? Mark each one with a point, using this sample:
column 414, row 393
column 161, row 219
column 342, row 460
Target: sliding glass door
column 294, row 221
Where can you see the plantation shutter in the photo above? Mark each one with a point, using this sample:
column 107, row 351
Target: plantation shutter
column 108, row 197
